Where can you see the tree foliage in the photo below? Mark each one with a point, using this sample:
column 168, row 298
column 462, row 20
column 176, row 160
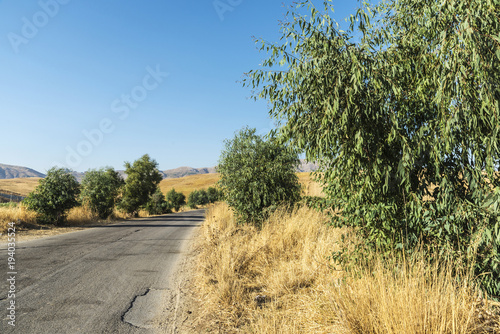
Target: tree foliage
column 54, row 196
column 176, row 200
column 197, row 197
column 214, row 194
column 142, row 180
column 157, row 204
column 403, row 110
column 100, row 189
column 257, row 175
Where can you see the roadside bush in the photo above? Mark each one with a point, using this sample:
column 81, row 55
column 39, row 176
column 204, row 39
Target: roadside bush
column 198, row 197
column 54, row 196
column 257, row 175
column 175, row 200
column 100, row 189
column 157, row 204
column 214, row 195
column 142, row 180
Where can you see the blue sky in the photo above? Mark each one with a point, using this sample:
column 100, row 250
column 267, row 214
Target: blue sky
column 86, row 84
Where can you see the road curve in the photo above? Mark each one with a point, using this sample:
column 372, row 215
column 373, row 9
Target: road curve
column 107, row 279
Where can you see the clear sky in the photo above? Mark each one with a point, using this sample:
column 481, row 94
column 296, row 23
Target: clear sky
column 87, row 83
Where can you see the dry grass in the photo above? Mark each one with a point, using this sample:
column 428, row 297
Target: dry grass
column 310, row 187
column 13, row 213
column 185, row 184
column 189, row 183
column 21, row 186
column 278, row 280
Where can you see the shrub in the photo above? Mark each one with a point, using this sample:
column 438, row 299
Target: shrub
column 142, row 180
column 214, row 195
column 257, row 175
column 198, row 197
column 176, row 200
column 54, row 196
column 100, row 189
column 157, row 204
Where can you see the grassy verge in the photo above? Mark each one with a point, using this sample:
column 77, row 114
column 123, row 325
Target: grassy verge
column 279, row 280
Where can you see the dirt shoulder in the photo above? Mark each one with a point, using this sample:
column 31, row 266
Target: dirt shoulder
column 180, row 310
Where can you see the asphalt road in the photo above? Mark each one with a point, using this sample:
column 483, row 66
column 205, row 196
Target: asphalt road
column 108, row 279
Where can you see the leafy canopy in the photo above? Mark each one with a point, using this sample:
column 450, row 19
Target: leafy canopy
column 54, row 196
column 143, row 177
column 257, row 175
column 157, row 204
column 176, row 200
column 403, row 111
column 100, row 189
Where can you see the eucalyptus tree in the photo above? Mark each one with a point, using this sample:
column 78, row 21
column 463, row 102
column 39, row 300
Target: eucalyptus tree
column 141, row 183
column 257, row 175
column 402, row 109
column 100, row 190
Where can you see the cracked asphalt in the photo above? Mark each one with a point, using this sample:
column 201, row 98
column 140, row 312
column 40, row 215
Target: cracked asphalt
column 88, row 281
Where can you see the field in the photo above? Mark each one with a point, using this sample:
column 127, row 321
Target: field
column 80, row 216
column 189, row 183
column 184, row 185
column 21, row 186
column 280, row 280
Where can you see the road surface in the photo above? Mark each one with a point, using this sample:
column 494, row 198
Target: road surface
column 108, row 279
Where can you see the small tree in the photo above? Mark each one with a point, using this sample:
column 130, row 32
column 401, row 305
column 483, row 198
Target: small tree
column 176, row 200
column 257, row 175
column 54, row 196
column 157, row 204
column 100, row 189
column 143, row 177
column 214, row 195
column 198, row 197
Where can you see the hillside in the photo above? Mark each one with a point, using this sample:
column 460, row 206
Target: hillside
column 13, row 172
column 22, row 186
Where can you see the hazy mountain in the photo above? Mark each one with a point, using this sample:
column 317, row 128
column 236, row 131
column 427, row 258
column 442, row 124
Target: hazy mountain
column 14, row 172
column 307, row 166
column 185, row 171
column 11, row 172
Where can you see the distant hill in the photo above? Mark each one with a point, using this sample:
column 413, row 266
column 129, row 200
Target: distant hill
column 15, row 172
column 185, row 171
column 307, row 166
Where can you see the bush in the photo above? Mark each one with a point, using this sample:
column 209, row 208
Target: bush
column 214, row 195
column 176, row 200
column 198, row 197
column 257, row 175
column 142, row 180
column 157, row 204
column 54, row 196
column 100, row 189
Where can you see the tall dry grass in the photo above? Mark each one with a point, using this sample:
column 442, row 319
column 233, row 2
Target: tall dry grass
column 278, row 280
column 14, row 213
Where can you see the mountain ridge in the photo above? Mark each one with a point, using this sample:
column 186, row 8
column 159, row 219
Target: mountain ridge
column 12, row 172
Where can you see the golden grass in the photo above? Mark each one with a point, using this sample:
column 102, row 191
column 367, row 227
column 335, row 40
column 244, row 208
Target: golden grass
column 21, row 186
column 184, row 184
column 189, row 183
column 278, row 280
column 310, row 187
column 10, row 214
